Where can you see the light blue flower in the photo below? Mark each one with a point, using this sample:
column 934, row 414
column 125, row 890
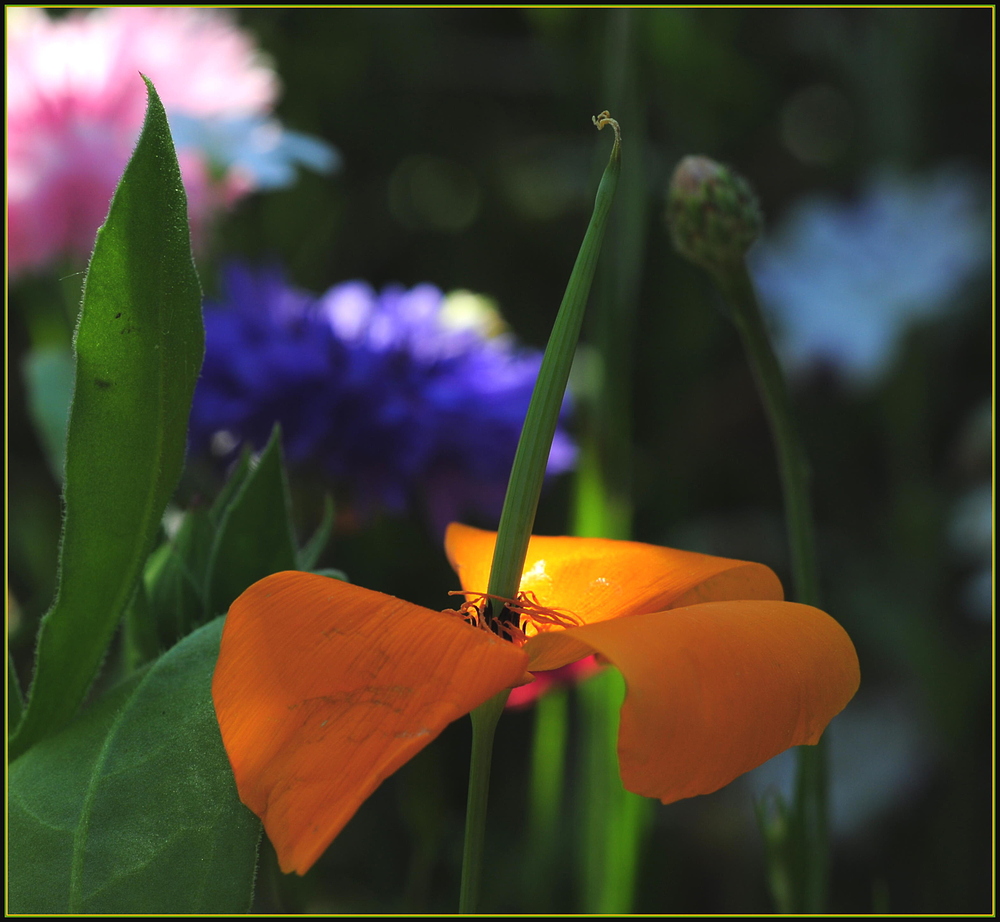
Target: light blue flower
column 843, row 280
column 265, row 152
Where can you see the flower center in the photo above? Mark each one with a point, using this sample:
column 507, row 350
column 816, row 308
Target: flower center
column 523, row 616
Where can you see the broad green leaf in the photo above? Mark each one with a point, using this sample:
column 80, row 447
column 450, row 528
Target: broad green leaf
column 133, row 808
column 46, row 792
column 139, row 346
column 254, row 537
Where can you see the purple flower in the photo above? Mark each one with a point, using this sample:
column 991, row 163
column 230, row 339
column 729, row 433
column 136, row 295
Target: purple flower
column 399, row 396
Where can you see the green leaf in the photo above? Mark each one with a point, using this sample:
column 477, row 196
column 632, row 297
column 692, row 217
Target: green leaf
column 140, row 642
column 139, row 346
column 15, row 700
column 255, row 536
column 528, row 472
column 309, row 553
column 133, row 808
column 333, row 574
column 175, row 578
column 232, row 485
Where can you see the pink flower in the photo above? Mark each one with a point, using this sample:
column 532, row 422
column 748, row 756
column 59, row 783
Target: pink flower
column 525, row 695
column 75, row 105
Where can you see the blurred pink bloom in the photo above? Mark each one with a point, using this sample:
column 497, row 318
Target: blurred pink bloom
column 76, row 102
column 526, row 695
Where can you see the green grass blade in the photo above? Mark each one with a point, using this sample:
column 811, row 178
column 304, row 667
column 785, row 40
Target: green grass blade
column 528, row 472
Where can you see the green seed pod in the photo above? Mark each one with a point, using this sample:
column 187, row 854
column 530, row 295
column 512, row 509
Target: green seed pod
column 713, row 213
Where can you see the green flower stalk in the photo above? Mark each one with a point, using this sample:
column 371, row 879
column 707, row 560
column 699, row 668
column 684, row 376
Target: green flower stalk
column 523, row 491
column 714, row 218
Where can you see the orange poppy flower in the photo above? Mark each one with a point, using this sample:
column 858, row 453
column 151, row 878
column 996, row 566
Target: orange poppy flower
column 323, row 689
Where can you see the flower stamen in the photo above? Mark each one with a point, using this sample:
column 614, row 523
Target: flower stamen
column 536, row 614
column 529, row 611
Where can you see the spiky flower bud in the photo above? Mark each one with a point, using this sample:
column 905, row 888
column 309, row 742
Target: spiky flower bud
column 713, row 213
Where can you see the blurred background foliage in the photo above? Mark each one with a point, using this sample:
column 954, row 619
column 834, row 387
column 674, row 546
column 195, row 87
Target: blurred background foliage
column 468, row 161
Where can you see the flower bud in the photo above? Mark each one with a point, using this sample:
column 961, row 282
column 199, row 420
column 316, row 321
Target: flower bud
column 713, row 213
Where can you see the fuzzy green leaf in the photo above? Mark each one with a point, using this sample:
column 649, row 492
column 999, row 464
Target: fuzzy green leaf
column 139, row 347
column 133, row 808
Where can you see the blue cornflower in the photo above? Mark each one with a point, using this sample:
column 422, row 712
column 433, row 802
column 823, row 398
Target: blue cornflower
column 398, row 396
column 843, row 281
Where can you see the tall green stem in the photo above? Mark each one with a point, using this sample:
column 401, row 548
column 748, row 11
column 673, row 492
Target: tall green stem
column 484, row 724
column 804, row 854
column 738, row 289
column 523, row 491
column 714, row 218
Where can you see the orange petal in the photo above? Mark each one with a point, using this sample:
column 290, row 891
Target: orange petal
column 324, row 689
column 716, row 689
column 598, row 579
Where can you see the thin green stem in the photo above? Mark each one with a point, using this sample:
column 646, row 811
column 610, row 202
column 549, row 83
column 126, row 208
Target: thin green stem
column 806, row 852
column 523, row 491
column 811, row 827
column 736, row 285
column 484, row 724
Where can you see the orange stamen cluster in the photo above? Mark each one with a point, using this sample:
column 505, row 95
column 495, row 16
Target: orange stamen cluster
column 526, row 606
